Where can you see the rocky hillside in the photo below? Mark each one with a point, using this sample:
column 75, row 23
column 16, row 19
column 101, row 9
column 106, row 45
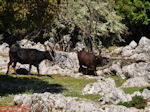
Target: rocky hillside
column 131, row 74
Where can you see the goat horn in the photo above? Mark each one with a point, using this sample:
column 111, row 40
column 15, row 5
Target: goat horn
column 51, row 53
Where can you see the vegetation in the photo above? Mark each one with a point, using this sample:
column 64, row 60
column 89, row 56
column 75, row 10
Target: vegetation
column 137, row 101
column 117, row 79
column 25, row 18
column 18, row 84
column 93, row 97
column 96, row 23
column 136, row 17
column 131, row 90
column 93, row 22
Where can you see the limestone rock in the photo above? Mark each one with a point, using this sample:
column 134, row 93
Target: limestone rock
column 118, row 108
column 48, row 102
column 135, row 82
column 107, row 88
column 146, row 94
column 4, row 49
column 133, row 44
column 100, row 86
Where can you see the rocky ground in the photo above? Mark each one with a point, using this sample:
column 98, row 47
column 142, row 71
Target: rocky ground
column 134, row 73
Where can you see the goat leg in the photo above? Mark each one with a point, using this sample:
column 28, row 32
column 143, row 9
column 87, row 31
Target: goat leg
column 30, row 66
column 14, row 67
column 8, row 67
column 37, row 67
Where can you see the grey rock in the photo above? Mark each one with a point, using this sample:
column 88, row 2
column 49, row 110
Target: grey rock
column 100, row 86
column 144, row 41
column 137, row 70
column 143, row 45
column 127, row 51
column 67, row 60
column 135, row 82
column 140, row 56
column 115, row 67
column 133, row 44
column 115, row 96
column 48, row 102
column 117, row 108
column 4, row 49
column 146, row 94
column 107, row 88
column 117, row 50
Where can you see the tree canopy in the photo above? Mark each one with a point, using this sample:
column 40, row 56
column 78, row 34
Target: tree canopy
column 136, row 14
column 94, row 22
column 19, row 17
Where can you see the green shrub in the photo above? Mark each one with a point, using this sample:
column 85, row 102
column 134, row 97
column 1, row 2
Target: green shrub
column 137, row 101
column 136, row 17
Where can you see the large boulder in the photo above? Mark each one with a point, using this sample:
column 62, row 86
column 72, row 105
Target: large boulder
column 137, row 51
column 137, row 70
column 144, row 43
column 106, row 87
column 133, row 44
column 67, row 60
column 3, row 63
column 48, row 102
column 135, row 82
column 100, row 86
column 146, row 94
column 115, row 96
column 127, row 51
column 4, row 49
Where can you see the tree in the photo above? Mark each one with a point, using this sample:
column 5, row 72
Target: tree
column 136, row 14
column 19, row 18
column 91, row 21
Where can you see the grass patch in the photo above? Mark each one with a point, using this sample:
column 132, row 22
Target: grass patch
column 131, row 90
column 93, row 97
column 19, row 84
column 7, row 100
column 137, row 102
column 117, row 79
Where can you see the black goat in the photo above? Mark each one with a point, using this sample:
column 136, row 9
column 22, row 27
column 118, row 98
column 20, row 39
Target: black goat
column 28, row 56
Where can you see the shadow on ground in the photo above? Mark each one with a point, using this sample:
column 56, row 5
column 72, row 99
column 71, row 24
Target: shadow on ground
column 15, row 85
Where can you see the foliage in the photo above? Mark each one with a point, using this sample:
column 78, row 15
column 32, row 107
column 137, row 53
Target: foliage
column 137, row 101
column 131, row 90
column 136, row 14
column 19, row 17
column 91, row 21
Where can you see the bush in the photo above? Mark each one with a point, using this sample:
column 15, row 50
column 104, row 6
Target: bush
column 136, row 17
column 137, row 102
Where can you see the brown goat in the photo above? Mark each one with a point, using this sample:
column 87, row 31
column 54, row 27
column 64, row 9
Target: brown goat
column 89, row 60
